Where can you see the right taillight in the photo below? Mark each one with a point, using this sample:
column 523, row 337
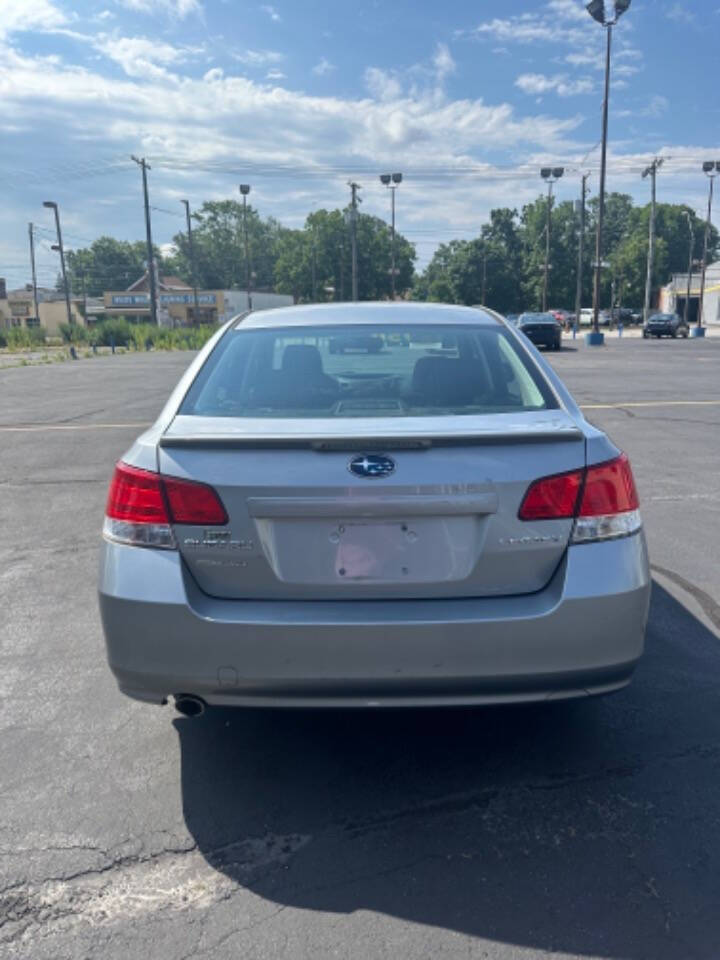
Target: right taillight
column 602, row 499
column 142, row 505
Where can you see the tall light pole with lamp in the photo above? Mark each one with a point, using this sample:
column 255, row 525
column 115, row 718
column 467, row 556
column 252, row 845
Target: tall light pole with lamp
column 51, row 205
column 392, row 181
column 245, row 190
column 551, row 175
column 596, row 9
column 711, row 168
column 691, row 232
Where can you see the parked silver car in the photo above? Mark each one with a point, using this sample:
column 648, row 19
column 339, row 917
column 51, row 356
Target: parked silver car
column 433, row 524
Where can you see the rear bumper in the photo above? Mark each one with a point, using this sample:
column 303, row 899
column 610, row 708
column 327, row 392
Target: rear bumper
column 582, row 634
column 543, row 338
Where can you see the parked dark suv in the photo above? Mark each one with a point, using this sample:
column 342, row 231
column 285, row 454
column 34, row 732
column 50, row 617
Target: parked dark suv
column 665, row 325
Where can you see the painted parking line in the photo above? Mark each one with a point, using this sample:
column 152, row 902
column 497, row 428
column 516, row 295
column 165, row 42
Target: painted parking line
column 44, row 427
column 48, row 427
column 650, row 403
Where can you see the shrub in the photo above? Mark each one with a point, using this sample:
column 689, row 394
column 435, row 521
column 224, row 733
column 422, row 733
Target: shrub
column 24, row 338
column 114, row 329
column 74, row 333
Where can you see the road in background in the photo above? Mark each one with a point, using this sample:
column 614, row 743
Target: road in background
column 584, row 829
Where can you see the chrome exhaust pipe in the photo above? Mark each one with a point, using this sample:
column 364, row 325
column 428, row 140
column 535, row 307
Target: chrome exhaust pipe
column 188, row 705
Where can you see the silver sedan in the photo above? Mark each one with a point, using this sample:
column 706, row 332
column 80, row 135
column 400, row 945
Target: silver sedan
column 429, row 522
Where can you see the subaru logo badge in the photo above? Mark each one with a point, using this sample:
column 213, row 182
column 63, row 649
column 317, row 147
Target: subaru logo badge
column 372, row 465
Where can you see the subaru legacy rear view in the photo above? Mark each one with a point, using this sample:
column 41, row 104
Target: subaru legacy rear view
column 429, row 522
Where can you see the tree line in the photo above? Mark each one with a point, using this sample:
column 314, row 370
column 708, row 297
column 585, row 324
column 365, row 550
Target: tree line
column 502, row 267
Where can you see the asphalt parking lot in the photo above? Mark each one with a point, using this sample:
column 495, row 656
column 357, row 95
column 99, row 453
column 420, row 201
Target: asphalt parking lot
column 571, row 830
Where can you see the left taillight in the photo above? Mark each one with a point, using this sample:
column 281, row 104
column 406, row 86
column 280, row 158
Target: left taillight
column 142, row 506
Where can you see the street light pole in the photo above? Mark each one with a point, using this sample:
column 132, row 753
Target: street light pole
column 581, row 253
column 392, row 181
column 651, row 172
column 686, row 313
column 551, row 175
column 245, row 190
column 596, row 9
column 34, row 274
column 54, row 207
column 710, row 169
column 192, row 260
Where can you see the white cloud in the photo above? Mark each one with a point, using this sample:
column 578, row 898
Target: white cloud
column 443, row 62
column 382, row 84
column 680, row 14
column 259, row 58
column 20, row 15
column 177, row 9
column 539, row 83
column 657, row 107
column 271, row 12
column 275, row 75
column 323, row 67
column 140, row 56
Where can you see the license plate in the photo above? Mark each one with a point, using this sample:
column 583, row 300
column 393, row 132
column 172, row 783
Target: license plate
column 374, row 551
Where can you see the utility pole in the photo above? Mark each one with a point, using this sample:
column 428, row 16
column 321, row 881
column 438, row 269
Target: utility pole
column 484, row 273
column 313, row 268
column 245, row 190
column 145, row 166
column 53, row 206
column 581, row 252
column 84, row 296
column 354, row 187
column 192, row 261
column 34, row 275
column 651, row 171
column 710, row 169
column 686, row 312
column 551, row 175
column 342, row 270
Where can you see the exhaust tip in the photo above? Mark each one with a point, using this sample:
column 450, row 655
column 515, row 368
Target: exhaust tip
column 188, row 705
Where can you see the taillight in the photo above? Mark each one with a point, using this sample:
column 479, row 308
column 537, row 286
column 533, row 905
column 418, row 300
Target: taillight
column 142, row 505
column 193, row 503
column 553, row 498
column 602, row 499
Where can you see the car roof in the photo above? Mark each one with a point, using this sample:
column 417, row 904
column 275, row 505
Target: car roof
column 383, row 312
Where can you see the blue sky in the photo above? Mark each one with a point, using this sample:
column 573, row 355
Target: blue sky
column 466, row 99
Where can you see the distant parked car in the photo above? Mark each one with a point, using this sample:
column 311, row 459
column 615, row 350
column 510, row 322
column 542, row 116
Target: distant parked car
column 370, row 343
column 665, row 325
column 586, row 316
column 564, row 318
column 542, row 328
column 513, row 318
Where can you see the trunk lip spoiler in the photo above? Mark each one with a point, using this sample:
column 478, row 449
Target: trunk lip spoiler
column 353, row 435
column 365, row 443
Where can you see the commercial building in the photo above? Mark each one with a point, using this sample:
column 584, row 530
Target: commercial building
column 17, row 309
column 176, row 302
column 674, row 295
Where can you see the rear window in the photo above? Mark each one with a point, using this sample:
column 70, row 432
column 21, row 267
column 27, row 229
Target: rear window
column 378, row 371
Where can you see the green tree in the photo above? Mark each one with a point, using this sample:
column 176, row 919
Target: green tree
column 219, row 246
column 315, row 263
column 107, row 264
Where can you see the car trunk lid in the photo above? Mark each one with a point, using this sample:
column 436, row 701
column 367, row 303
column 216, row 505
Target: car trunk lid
column 443, row 522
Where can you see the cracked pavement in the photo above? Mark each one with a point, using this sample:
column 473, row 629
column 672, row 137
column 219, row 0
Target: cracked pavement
column 568, row 830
